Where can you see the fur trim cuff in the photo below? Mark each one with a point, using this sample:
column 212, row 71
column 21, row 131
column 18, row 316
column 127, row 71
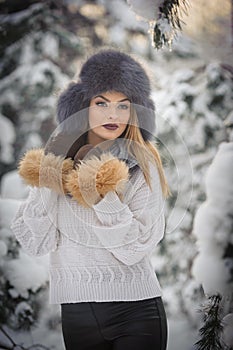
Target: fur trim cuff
column 87, row 183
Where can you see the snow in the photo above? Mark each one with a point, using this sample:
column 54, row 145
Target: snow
column 28, row 54
column 27, row 75
column 12, row 186
column 183, row 46
column 181, row 336
column 8, row 209
column 166, row 28
column 183, row 75
column 192, row 292
column 33, row 141
column 50, row 46
column 179, row 217
column 124, row 15
column 227, row 322
column 3, row 250
column 117, row 34
column 229, row 120
column 22, row 308
column 7, row 138
column 9, row 96
column 213, row 224
column 181, row 176
column 213, row 72
column 211, row 272
column 18, row 17
column 26, row 274
column 147, row 9
column 44, row 103
column 219, row 177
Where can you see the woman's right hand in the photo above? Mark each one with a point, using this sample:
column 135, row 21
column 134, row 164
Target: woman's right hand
column 45, row 170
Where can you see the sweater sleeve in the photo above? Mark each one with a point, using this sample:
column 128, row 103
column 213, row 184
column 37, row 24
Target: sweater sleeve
column 35, row 222
column 130, row 232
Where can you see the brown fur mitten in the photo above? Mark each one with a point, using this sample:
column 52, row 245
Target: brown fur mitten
column 40, row 170
column 95, row 177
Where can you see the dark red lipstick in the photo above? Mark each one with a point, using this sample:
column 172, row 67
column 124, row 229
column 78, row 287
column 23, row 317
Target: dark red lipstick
column 110, row 126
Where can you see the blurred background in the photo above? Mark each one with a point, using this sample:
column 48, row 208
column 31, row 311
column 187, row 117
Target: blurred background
column 43, row 44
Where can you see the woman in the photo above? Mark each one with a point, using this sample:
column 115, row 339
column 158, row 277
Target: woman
column 96, row 205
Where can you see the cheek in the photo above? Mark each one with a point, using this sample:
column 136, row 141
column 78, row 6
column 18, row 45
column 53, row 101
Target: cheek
column 122, row 127
column 124, row 121
column 95, row 119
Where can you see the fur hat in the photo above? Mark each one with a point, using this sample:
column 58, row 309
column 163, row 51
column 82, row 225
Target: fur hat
column 110, row 70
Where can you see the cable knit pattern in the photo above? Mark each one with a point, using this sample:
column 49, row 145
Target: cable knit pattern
column 100, row 253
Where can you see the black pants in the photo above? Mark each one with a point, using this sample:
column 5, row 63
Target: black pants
column 136, row 325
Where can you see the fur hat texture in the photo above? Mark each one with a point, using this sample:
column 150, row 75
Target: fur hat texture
column 110, row 70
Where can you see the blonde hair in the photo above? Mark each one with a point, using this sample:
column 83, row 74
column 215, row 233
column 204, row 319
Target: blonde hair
column 145, row 151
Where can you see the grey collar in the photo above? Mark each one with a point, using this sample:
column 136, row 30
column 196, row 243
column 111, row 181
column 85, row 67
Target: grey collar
column 118, row 148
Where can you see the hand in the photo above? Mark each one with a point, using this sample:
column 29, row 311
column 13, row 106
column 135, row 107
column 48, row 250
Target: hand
column 40, row 170
column 95, row 177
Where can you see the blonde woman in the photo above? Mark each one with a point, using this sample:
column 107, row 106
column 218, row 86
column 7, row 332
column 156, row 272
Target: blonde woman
column 96, row 206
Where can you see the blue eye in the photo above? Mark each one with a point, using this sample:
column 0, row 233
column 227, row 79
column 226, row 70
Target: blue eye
column 123, row 106
column 101, row 104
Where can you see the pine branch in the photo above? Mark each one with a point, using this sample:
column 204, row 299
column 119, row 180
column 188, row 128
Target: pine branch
column 211, row 331
column 169, row 22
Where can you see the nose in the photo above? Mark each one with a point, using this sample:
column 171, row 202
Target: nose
column 112, row 113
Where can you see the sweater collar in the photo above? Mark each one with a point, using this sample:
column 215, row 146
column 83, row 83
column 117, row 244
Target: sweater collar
column 118, row 148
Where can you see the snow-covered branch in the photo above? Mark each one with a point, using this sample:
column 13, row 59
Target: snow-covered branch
column 164, row 17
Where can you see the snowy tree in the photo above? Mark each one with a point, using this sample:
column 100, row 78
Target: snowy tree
column 32, row 70
column 193, row 105
column 213, row 266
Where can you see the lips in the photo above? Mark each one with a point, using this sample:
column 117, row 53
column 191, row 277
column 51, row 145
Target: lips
column 110, row 126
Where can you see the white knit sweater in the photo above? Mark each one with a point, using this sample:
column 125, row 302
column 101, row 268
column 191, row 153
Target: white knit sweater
column 100, row 253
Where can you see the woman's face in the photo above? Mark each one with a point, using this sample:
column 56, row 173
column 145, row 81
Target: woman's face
column 109, row 114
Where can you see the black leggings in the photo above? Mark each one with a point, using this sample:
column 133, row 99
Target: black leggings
column 135, row 325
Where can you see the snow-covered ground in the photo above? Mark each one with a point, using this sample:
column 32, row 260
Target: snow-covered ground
column 181, row 336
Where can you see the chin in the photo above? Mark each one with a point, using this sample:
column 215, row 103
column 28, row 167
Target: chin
column 110, row 135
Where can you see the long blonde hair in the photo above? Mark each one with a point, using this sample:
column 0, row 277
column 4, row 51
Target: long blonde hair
column 145, row 151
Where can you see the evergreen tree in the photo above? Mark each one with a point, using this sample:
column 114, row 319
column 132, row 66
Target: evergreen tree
column 211, row 331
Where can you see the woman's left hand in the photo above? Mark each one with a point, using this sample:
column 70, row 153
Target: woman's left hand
column 95, row 177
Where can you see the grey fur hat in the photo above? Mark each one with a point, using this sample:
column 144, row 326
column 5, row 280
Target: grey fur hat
column 110, row 70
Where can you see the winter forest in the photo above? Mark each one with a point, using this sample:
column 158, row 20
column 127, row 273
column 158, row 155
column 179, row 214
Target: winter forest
column 188, row 55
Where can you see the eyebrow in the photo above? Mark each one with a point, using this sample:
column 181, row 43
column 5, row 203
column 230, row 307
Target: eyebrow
column 106, row 99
